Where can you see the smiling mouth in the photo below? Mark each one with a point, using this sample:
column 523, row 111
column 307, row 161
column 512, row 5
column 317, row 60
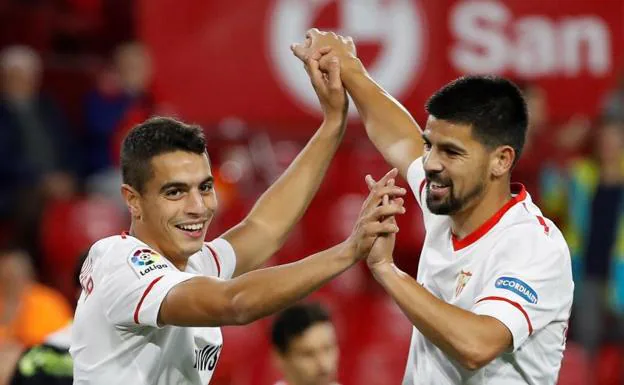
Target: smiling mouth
column 437, row 186
column 192, row 228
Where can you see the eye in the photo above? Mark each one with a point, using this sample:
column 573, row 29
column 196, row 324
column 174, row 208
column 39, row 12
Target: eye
column 451, row 153
column 206, row 187
column 173, row 193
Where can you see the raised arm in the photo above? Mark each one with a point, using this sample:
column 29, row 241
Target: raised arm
column 204, row 301
column 274, row 215
column 388, row 124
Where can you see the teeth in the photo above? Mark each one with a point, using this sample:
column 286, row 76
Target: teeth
column 194, row 227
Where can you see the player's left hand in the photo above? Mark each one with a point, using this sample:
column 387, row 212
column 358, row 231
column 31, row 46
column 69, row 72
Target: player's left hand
column 380, row 254
column 328, row 88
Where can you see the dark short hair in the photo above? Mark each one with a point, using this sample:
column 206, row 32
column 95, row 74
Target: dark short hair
column 294, row 321
column 154, row 137
column 493, row 106
column 9, row 249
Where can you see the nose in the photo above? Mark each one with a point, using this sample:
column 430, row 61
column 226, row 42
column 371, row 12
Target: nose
column 195, row 204
column 432, row 163
column 325, row 364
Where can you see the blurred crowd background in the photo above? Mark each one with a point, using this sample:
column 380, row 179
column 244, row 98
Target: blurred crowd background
column 76, row 75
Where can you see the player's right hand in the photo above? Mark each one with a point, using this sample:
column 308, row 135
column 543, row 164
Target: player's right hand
column 373, row 219
column 380, row 254
column 322, row 46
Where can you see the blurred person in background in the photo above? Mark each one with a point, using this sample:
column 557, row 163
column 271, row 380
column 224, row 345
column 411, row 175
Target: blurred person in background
column 50, row 363
column 122, row 98
column 29, row 311
column 546, row 143
column 37, row 156
column 537, row 147
column 305, row 345
column 588, row 196
column 613, row 104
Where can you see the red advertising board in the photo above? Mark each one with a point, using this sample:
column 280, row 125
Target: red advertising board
column 219, row 59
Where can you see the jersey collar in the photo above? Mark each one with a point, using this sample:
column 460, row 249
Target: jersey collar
column 518, row 195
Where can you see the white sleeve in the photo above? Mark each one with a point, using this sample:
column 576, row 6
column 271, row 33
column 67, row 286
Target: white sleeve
column 217, row 258
column 416, row 179
column 134, row 288
column 529, row 284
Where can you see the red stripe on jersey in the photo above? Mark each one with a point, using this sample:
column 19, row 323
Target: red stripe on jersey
column 147, row 290
column 543, row 223
column 214, row 255
column 471, row 238
column 422, row 186
column 515, row 304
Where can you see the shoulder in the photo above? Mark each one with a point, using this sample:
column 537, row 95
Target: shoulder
column 116, row 256
column 533, row 249
column 115, row 249
column 528, row 230
column 415, row 172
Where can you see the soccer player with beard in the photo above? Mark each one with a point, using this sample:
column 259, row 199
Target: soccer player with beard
column 493, row 294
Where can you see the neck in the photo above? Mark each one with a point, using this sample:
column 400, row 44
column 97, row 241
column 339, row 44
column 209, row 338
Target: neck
column 141, row 234
column 469, row 219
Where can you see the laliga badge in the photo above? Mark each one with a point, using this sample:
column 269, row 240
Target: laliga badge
column 145, row 261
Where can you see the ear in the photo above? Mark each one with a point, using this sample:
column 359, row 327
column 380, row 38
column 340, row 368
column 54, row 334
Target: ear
column 133, row 201
column 501, row 160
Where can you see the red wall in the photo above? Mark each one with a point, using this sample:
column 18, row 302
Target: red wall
column 217, row 59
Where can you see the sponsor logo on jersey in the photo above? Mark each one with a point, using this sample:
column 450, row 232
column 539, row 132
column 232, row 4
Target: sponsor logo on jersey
column 462, row 280
column 145, row 261
column 517, row 286
column 206, row 358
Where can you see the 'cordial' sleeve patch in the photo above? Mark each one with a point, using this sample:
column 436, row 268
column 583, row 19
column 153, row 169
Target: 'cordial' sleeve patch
column 518, row 287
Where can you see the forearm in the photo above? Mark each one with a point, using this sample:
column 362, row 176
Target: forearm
column 210, row 302
column 459, row 333
column 282, row 205
column 262, row 292
column 390, row 127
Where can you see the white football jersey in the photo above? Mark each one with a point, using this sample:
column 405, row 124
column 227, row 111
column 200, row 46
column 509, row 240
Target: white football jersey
column 515, row 268
column 115, row 335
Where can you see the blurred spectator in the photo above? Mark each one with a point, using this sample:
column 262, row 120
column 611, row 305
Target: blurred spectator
column 546, row 143
column 538, row 146
column 589, row 198
column 50, row 363
column 29, row 311
column 305, row 345
column 122, row 97
column 37, row 156
column 90, row 219
column 613, row 103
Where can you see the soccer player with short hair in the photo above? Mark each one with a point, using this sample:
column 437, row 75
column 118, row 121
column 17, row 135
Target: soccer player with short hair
column 493, row 294
column 153, row 300
column 305, row 345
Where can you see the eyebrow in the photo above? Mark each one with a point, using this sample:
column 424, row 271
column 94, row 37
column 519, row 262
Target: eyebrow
column 446, row 144
column 182, row 185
